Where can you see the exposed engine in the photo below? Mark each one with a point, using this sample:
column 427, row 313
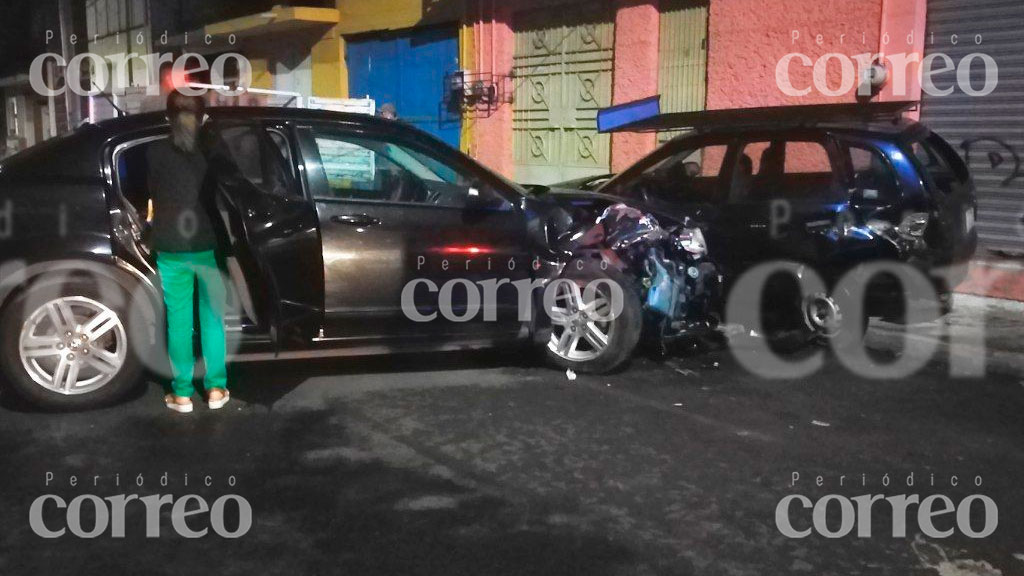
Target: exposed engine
column 681, row 288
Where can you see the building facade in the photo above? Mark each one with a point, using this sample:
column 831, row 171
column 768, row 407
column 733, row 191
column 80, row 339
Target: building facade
column 518, row 84
column 532, row 74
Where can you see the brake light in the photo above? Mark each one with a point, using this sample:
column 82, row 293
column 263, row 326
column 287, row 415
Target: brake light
column 468, row 249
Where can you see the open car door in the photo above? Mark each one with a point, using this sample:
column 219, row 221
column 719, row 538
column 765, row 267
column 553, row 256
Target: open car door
column 272, row 228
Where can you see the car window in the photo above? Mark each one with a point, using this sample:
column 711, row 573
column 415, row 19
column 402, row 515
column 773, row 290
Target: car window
column 782, row 169
column 870, row 176
column 362, row 168
column 690, row 175
column 257, row 157
column 927, row 157
column 281, row 142
column 940, row 163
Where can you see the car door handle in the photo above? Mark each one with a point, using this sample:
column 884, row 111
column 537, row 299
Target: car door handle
column 355, row 219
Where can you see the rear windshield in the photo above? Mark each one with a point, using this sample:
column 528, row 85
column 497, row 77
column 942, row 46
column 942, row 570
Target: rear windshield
column 938, row 159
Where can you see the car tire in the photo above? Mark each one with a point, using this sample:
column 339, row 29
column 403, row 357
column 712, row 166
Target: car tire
column 622, row 333
column 83, row 374
column 837, row 331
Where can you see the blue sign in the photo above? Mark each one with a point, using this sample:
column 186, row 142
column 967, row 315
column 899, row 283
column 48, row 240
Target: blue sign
column 609, row 119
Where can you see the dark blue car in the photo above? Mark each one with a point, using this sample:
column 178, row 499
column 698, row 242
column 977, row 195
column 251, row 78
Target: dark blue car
column 833, row 189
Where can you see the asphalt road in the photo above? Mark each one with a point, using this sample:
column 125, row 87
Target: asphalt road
column 489, row 465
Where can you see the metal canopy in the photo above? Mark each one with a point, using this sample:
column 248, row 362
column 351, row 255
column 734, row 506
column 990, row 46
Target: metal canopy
column 767, row 116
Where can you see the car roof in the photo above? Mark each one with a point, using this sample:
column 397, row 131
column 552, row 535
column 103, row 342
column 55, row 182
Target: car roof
column 149, row 119
column 874, row 118
column 81, row 150
column 905, row 130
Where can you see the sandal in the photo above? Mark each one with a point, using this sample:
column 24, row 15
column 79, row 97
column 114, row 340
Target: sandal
column 172, row 402
column 218, row 403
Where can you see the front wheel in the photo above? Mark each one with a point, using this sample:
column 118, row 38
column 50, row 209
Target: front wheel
column 586, row 334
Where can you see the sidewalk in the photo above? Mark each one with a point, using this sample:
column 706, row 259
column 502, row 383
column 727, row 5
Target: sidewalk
column 978, row 330
column 995, row 278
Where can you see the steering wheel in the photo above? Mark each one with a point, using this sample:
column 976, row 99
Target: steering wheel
column 406, row 188
column 433, row 196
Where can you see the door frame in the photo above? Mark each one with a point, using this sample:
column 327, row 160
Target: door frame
column 309, row 323
column 426, row 144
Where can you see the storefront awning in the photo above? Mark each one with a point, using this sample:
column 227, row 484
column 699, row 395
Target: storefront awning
column 278, row 20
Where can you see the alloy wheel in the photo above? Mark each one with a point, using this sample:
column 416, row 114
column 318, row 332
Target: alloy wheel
column 581, row 330
column 73, row 345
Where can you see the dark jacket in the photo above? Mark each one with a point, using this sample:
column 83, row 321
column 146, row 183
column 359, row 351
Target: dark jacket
column 181, row 189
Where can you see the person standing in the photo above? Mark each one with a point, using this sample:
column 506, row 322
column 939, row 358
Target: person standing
column 185, row 243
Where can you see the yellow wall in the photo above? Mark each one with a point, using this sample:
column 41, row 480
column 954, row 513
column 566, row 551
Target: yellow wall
column 262, row 77
column 359, row 16
column 466, row 52
column 330, row 75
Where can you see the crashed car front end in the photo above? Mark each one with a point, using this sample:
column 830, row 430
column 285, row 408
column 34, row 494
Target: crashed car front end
column 666, row 266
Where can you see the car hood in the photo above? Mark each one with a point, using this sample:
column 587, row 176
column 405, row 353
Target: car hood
column 586, row 206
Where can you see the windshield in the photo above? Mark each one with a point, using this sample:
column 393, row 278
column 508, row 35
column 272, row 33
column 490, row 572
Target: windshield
column 687, row 172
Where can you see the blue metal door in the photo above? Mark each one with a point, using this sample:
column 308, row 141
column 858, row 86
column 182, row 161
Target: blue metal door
column 407, row 69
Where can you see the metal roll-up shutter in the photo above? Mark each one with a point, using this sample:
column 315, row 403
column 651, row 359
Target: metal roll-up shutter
column 986, row 124
column 682, row 57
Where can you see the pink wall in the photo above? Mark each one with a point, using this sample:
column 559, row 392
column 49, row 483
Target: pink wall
column 635, row 72
column 492, row 134
column 635, row 75
column 747, row 38
column 903, row 26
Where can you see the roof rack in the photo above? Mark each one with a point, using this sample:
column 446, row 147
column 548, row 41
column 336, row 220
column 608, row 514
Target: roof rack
column 644, row 116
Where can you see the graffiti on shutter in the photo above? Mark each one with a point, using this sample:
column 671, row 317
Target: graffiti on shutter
column 992, row 126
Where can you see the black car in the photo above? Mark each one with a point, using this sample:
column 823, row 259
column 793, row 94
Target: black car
column 345, row 235
column 827, row 188
column 588, row 183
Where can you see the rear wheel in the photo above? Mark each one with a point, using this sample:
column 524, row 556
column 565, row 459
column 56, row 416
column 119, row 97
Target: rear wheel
column 64, row 344
column 829, row 319
column 586, row 336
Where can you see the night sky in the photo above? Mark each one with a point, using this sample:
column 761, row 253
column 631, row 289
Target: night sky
column 23, row 25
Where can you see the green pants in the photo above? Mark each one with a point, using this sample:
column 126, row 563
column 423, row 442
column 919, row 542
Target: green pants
column 178, row 270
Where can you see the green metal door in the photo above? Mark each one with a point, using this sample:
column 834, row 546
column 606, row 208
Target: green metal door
column 563, row 74
column 682, row 57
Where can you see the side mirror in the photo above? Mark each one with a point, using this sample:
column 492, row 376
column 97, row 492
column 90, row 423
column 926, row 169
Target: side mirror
column 477, row 198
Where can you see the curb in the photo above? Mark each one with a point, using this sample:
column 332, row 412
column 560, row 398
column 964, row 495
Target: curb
column 1002, row 279
column 967, row 318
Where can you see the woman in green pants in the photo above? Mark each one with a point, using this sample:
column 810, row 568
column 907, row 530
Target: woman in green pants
column 185, row 243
